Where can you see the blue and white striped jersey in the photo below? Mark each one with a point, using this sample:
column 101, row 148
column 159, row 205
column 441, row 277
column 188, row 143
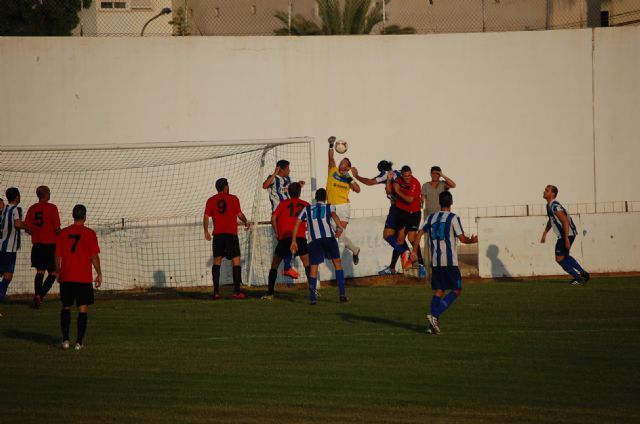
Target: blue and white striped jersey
column 9, row 234
column 318, row 219
column 278, row 191
column 556, row 224
column 443, row 228
column 381, row 178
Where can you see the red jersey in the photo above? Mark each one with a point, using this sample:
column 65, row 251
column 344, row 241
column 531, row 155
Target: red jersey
column 76, row 244
column 224, row 209
column 409, row 189
column 43, row 220
column 286, row 216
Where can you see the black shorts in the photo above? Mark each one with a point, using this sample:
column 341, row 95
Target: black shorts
column 408, row 220
column 43, row 256
column 78, row 293
column 227, row 245
column 283, row 248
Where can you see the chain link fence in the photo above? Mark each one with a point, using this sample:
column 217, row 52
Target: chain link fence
column 305, row 17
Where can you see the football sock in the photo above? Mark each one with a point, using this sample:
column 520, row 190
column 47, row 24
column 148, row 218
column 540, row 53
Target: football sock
column 48, row 283
column 445, row 303
column 340, row 279
column 312, row 289
column 393, row 242
column 215, row 275
column 567, row 266
column 420, row 258
column 575, row 264
column 237, row 278
column 273, row 274
column 82, row 326
column 287, row 262
column 394, row 259
column 435, row 303
column 65, row 321
column 4, row 285
column 307, row 271
column 37, row 284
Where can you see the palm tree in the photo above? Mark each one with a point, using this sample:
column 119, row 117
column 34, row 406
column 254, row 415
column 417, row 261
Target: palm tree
column 357, row 17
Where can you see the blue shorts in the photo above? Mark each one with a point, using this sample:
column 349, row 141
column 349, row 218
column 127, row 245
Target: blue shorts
column 561, row 250
column 7, row 262
column 446, row 278
column 391, row 217
column 323, row 248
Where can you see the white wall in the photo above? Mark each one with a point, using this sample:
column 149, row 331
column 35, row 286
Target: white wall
column 510, row 247
column 503, row 113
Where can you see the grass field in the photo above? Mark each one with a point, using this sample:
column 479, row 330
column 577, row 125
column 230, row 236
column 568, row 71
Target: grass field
column 534, row 351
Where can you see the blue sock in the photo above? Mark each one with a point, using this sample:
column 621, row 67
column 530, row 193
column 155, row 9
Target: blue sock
column 445, row 303
column 568, row 267
column 340, row 279
column 435, row 303
column 4, row 285
column 287, row 262
column 312, row 289
column 575, row 264
column 393, row 242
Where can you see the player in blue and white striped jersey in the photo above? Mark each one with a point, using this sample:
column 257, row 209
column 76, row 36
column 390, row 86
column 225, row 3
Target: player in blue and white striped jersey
column 444, row 229
column 565, row 229
column 322, row 241
column 278, row 186
column 10, row 225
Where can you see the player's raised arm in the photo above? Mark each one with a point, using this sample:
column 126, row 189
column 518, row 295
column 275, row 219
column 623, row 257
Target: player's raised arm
column 448, row 181
column 332, row 161
column 354, row 186
column 267, row 183
column 363, row 180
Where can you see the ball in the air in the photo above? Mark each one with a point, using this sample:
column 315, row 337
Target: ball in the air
column 341, row 146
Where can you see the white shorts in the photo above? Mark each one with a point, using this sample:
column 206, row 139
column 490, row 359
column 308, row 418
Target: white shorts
column 343, row 211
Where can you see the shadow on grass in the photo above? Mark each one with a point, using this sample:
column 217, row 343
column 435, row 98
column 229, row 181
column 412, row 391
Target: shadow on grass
column 32, row 336
column 382, row 321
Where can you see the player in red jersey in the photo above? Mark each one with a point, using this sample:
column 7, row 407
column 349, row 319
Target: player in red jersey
column 43, row 222
column 283, row 220
column 224, row 210
column 77, row 251
column 408, row 191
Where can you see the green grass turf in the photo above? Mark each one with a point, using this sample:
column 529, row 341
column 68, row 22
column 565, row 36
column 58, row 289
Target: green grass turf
column 533, row 351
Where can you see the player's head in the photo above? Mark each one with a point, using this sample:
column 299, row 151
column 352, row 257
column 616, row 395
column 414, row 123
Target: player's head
column 550, row 192
column 345, row 165
column 1, row 203
column 43, row 193
column 321, row 195
column 406, row 173
column 445, row 199
column 436, row 172
column 222, row 184
column 294, row 190
column 13, row 195
column 79, row 213
column 284, row 167
column 384, row 166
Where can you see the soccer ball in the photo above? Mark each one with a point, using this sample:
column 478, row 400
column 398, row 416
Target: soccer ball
column 341, row 146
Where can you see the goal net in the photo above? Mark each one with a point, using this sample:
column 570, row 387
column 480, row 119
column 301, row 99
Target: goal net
column 146, row 202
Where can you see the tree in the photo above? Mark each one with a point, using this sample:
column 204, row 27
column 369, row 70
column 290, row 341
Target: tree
column 39, row 17
column 356, row 17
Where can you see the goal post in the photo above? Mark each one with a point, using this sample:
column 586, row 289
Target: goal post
column 146, row 202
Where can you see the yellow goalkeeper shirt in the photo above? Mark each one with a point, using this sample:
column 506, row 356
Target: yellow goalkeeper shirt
column 338, row 186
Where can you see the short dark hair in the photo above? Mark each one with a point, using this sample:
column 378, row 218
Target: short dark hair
column 554, row 189
column 282, row 163
column 294, row 190
column 405, row 168
column 384, row 165
column 321, row 195
column 12, row 194
column 79, row 212
column 436, row 168
column 445, row 199
column 42, row 191
column 221, row 183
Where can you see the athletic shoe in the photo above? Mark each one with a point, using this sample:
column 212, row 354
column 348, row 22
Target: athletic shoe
column 344, row 299
column 216, row 296
column 65, row 345
column 406, row 259
column 291, row 272
column 317, row 293
column 239, row 295
column 387, row 270
column 78, row 346
column 422, row 271
column 576, row 282
column 37, row 301
column 267, row 297
column 433, row 322
column 312, row 303
column 585, row 277
column 429, row 330
column 356, row 257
